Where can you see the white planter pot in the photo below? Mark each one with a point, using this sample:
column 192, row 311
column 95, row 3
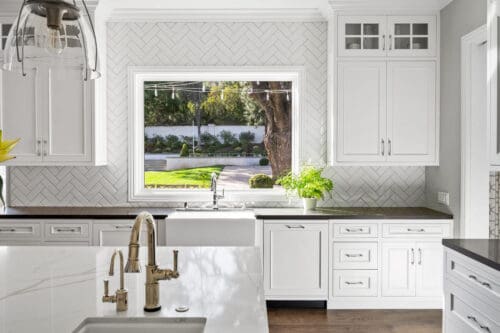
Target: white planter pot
column 309, row 203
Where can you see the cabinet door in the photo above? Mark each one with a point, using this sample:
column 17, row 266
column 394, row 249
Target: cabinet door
column 412, row 36
column 411, row 112
column 361, row 112
column 295, row 260
column 67, row 134
column 398, row 269
column 429, row 258
column 362, row 36
column 20, row 114
column 115, row 233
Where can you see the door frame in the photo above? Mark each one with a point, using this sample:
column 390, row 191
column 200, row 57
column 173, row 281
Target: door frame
column 476, row 37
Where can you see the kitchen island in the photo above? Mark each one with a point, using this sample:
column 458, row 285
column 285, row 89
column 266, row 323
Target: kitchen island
column 54, row 289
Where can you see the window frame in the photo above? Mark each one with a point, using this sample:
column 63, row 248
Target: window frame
column 139, row 75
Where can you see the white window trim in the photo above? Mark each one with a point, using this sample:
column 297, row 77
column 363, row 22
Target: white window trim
column 139, row 75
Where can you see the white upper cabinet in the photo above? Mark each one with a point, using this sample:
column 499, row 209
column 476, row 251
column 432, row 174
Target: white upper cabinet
column 20, row 116
column 387, row 36
column 413, row 36
column 361, row 124
column 68, row 127
column 362, row 36
column 411, row 112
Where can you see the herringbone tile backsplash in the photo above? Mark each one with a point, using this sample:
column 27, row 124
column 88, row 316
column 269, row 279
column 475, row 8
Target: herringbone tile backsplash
column 213, row 44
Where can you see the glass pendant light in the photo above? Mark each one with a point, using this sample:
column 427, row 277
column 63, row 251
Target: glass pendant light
column 52, row 33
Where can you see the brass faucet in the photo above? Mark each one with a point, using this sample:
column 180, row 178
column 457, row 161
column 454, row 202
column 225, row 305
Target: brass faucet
column 153, row 273
column 121, row 295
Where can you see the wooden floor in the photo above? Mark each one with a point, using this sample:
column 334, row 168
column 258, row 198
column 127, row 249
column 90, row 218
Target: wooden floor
column 349, row 321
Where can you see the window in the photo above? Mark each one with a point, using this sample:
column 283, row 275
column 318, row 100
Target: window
column 187, row 125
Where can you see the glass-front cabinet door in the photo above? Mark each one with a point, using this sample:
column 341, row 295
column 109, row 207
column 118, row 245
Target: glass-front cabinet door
column 411, row 36
column 362, row 36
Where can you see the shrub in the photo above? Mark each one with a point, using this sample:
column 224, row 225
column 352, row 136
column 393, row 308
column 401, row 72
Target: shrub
column 246, row 137
column 209, row 140
column 172, row 142
column 261, row 181
column 263, row 161
column 184, row 151
column 228, row 138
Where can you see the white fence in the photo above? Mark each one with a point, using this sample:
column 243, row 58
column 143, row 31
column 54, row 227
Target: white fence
column 151, row 131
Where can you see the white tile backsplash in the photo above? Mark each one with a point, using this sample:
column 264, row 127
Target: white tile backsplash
column 213, row 44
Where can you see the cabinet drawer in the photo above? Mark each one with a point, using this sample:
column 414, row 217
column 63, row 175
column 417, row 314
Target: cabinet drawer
column 468, row 311
column 355, row 255
column 483, row 283
column 416, row 230
column 349, row 230
column 65, row 231
column 22, row 230
column 355, row 283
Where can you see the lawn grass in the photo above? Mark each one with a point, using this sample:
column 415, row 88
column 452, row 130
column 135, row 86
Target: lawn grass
column 193, row 177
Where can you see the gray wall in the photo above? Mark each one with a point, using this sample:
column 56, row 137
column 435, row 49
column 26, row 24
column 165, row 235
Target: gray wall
column 457, row 19
column 214, row 44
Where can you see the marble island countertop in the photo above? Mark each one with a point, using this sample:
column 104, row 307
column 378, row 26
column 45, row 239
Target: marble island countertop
column 53, row 289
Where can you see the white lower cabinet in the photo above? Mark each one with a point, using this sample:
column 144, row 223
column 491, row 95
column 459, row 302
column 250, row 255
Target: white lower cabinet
column 387, row 263
column 472, row 295
column 115, row 233
column 296, row 260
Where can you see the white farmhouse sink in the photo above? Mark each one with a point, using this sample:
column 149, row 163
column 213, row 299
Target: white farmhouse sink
column 210, row 228
column 143, row 325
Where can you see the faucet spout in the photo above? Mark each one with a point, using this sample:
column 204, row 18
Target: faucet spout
column 112, row 268
column 153, row 272
column 133, row 263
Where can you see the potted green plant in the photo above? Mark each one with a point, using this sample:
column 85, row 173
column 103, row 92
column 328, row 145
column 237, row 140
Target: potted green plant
column 308, row 185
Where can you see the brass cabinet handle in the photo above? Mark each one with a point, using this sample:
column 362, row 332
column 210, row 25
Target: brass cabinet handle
column 14, row 230
column 390, row 42
column 483, row 327
column 8, row 230
column 383, row 147
column 38, row 144
column 390, row 147
column 71, row 230
column 413, row 256
column 298, row 226
column 420, row 256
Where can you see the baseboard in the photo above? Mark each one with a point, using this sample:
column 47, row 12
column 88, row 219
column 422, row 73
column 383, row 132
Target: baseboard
column 296, row 304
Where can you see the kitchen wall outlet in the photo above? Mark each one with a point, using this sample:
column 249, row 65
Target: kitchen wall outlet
column 444, row 198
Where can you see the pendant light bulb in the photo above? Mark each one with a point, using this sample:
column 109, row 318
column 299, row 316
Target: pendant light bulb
column 54, row 44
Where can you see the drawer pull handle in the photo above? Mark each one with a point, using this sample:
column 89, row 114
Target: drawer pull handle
column 298, row 226
column 413, row 256
column 354, row 230
column 65, row 230
column 485, row 284
column 415, row 230
column 354, row 283
column 353, row 255
column 7, row 230
column 483, row 327
column 14, row 230
column 123, row 227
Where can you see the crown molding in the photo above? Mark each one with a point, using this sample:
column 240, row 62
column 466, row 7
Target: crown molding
column 388, row 4
column 217, row 15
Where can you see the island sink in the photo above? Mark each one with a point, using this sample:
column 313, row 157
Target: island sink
column 146, row 325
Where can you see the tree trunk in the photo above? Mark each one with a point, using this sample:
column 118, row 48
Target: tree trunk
column 278, row 136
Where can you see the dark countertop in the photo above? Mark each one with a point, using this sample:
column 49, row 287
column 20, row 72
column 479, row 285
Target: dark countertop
column 486, row 251
column 260, row 213
column 352, row 213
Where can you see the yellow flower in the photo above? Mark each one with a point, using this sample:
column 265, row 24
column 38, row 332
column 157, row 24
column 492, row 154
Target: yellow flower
column 5, row 147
